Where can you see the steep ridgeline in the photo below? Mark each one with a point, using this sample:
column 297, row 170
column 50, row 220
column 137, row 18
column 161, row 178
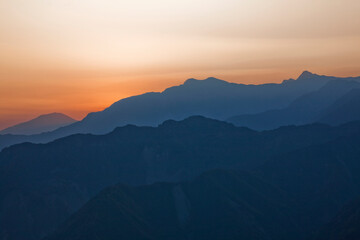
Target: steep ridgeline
column 41, row 124
column 291, row 196
column 335, row 103
column 216, row 205
column 211, row 97
column 48, row 182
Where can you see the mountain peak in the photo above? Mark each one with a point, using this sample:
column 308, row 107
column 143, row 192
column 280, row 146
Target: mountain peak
column 214, row 79
column 55, row 115
column 307, row 75
column 40, row 124
column 207, row 80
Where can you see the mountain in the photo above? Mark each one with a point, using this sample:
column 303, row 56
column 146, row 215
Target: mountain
column 43, row 123
column 345, row 109
column 305, row 109
column 48, row 182
column 289, row 197
column 346, row 224
column 216, row 205
column 211, row 97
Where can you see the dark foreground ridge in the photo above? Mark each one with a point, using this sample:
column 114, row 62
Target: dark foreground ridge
column 49, row 182
column 216, row 205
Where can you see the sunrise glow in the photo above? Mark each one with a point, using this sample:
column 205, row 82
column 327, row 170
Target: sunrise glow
column 79, row 56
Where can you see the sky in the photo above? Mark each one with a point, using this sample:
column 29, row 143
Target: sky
column 79, row 56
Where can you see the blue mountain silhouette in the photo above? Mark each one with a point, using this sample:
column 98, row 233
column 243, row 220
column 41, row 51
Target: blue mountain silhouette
column 41, row 124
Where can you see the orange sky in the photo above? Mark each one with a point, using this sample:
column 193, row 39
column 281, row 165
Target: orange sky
column 78, row 56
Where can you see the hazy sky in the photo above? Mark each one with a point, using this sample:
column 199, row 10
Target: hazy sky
column 78, row 56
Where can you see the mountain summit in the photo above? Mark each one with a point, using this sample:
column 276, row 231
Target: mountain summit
column 307, row 75
column 209, row 80
column 41, row 124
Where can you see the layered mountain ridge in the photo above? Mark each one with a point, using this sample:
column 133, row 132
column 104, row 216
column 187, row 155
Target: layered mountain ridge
column 308, row 108
column 211, row 97
column 49, row 182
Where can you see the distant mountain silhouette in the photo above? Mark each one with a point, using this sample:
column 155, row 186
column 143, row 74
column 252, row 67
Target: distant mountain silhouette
column 211, row 97
column 309, row 108
column 216, row 205
column 41, row 124
column 345, row 109
column 346, row 224
column 49, row 182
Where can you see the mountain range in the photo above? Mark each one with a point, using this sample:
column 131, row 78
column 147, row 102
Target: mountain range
column 334, row 103
column 211, row 97
column 296, row 195
column 42, row 185
column 284, row 167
